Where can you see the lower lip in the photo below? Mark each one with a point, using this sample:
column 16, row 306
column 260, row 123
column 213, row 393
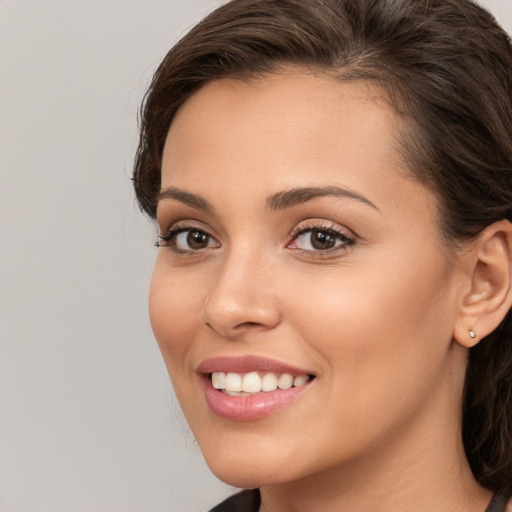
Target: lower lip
column 250, row 407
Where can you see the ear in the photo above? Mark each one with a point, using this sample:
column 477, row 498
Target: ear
column 488, row 298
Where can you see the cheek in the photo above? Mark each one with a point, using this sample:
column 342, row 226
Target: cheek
column 382, row 340
column 174, row 310
column 390, row 323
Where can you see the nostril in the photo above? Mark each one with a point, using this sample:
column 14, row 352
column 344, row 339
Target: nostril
column 230, row 317
column 247, row 325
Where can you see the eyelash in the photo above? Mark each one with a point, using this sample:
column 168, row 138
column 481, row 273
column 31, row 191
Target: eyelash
column 335, row 232
column 168, row 239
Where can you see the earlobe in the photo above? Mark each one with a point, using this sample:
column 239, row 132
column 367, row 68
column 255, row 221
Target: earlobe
column 489, row 297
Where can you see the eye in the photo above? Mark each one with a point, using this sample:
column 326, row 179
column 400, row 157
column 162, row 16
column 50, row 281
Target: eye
column 190, row 239
column 319, row 239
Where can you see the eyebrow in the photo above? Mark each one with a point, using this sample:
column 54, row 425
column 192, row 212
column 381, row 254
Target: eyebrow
column 278, row 201
column 193, row 200
column 295, row 196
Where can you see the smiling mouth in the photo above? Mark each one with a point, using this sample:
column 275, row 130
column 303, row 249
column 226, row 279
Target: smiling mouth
column 253, row 383
column 251, row 388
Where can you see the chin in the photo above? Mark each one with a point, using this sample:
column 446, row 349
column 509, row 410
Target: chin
column 252, row 461
column 243, row 479
column 249, row 475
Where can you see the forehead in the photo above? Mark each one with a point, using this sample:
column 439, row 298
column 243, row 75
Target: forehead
column 281, row 98
column 289, row 113
column 235, row 139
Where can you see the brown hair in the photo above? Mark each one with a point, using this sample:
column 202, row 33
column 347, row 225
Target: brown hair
column 446, row 66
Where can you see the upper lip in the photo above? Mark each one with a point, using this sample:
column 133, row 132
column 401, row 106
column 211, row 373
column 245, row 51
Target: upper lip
column 246, row 364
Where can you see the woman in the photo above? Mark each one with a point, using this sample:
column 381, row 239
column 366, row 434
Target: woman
column 332, row 181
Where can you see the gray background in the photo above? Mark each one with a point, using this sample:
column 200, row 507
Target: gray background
column 88, row 420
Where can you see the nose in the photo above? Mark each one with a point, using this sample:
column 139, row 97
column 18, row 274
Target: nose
column 242, row 298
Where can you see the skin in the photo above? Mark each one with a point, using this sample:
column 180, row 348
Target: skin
column 373, row 320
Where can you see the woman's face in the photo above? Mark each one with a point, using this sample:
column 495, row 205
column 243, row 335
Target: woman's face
column 293, row 243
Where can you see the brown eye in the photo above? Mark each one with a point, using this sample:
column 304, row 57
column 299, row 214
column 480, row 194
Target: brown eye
column 322, row 240
column 188, row 240
column 197, row 239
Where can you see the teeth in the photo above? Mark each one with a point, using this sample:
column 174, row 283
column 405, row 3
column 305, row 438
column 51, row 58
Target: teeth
column 300, row 380
column 237, row 384
column 233, row 382
column 285, row 381
column 269, row 382
column 219, row 380
column 251, row 383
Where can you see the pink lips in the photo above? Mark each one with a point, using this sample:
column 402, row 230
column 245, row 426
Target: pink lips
column 250, row 407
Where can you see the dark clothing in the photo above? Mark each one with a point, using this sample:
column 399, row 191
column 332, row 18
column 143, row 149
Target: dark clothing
column 249, row 501
column 498, row 502
column 245, row 501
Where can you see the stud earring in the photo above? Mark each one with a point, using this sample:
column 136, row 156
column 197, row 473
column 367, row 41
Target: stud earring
column 472, row 333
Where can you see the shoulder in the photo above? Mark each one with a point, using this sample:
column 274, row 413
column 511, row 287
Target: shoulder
column 245, row 501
